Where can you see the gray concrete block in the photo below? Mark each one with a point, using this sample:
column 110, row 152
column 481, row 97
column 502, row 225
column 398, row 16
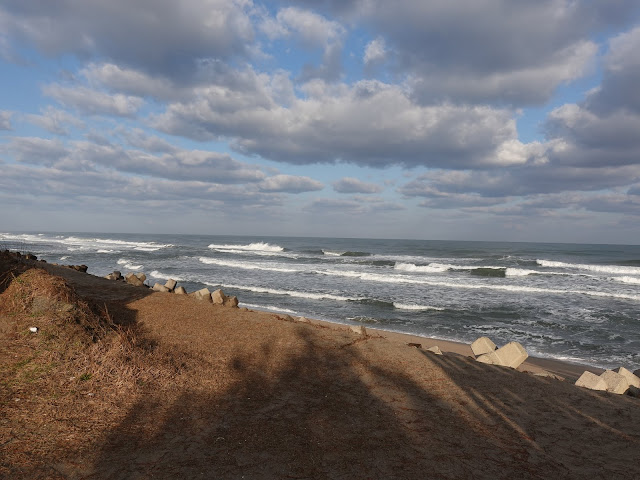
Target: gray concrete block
column 359, row 329
column 203, row 294
column 483, row 345
column 435, row 349
column 616, row 383
column 180, row 291
column 171, row 284
column 591, row 381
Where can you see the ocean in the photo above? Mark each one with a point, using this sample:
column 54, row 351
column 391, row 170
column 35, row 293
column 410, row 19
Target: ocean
column 578, row 303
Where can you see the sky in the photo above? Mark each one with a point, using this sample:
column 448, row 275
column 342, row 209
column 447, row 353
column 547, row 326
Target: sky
column 445, row 119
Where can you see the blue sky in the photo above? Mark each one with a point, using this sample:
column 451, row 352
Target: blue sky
column 486, row 120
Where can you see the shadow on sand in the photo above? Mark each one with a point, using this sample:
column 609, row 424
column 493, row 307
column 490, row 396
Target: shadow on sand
column 344, row 410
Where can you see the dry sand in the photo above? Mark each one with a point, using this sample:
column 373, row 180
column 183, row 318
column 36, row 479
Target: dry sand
column 258, row 396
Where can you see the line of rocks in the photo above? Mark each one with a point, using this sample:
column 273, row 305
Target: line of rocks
column 511, row 355
column 216, row 297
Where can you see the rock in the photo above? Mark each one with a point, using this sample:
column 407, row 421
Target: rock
column 218, row 297
column 616, row 383
column 631, row 378
column 180, row 291
column 171, row 284
column 435, row 349
column 511, row 355
column 414, row 345
column 483, row 345
column 359, row 329
column 30, row 256
column 633, row 391
column 303, row 320
column 141, row 276
column 231, row 302
column 591, row 381
column 203, row 294
column 79, row 268
column 158, row 287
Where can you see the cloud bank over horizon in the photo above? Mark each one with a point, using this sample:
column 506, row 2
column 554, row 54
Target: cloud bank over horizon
column 498, row 120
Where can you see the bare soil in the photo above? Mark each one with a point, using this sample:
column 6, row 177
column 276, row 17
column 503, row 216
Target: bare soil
column 123, row 383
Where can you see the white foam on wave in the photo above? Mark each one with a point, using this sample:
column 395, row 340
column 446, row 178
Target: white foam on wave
column 85, row 243
column 329, row 253
column 245, row 265
column 106, row 251
column 291, row 293
column 252, row 247
column 622, row 270
column 405, row 306
column 64, row 258
column 167, row 276
column 627, row 279
column 519, row 272
column 413, row 268
column 127, row 264
column 374, row 277
column 271, row 308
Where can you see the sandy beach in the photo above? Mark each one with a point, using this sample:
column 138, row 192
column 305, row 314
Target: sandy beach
column 130, row 383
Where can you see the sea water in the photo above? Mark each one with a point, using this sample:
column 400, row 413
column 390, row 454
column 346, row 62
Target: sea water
column 568, row 301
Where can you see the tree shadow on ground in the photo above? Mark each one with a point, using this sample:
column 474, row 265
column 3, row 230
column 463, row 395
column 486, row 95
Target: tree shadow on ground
column 342, row 410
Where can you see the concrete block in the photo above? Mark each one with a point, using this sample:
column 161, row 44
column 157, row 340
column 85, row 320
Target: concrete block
column 591, row 381
column 303, row 320
column 631, row 378
column 203, row 294
column 435, row 349
column 180, row 291
column 141, row 276
column 359, row 329
column 132, row 279
column 483, row 345
column 218, row 297
column 511, row 355
column 171, row 284
column 231, row 302
column 158, row 287
column 616, row 383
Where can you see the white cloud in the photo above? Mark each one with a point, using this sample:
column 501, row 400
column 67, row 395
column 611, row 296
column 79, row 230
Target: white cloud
column 5, row 120
column 54, row 120
column 375, row 51
column 290, row 184
column 353, row 185
column 92, row 102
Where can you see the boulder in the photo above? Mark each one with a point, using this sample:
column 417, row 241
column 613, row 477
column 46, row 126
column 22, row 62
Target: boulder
column 203, row 294
column 591, row 381
column 218, row 297
column 171, row 284
column 483, row 345
column 180, row 291
column 359, row 329
column 114, row 276
column 158, row 287
column 231, row 302
column 631, row 378
column 616, row 383
column 30, row 256
column 79, row 268
column 435, row 349
column 511, row 355
column 141, row 276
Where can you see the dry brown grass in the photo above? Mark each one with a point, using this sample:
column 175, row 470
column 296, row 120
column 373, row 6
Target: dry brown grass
column 77, row 374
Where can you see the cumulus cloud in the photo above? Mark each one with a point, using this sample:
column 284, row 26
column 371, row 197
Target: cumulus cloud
column 92, row 102
column 290, row 184
column 353, row 185
column 163, row 36
column 344, row 123
column 54, row 120
column 375, row 51
column 5, row 120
